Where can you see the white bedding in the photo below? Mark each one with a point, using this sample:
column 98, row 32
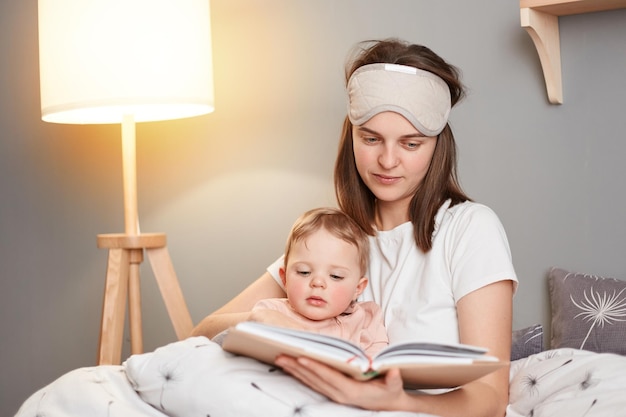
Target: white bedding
column 194, row 377
column 569, row 383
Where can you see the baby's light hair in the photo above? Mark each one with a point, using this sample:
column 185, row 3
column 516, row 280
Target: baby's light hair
column 337, row 223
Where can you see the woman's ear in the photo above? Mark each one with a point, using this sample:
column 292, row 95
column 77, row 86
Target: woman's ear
column 360, row 287
column 283, row 275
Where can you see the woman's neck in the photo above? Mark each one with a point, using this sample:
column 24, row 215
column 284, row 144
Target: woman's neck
column 391, row 215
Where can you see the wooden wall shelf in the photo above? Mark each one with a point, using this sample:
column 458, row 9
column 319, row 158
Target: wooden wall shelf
column 540, row 18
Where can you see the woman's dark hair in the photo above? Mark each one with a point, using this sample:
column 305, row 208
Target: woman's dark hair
column 439, row 184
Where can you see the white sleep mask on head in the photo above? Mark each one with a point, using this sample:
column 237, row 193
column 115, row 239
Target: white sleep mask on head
column 420, row 96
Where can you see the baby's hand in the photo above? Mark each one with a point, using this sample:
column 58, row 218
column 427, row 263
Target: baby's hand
column 274, row 318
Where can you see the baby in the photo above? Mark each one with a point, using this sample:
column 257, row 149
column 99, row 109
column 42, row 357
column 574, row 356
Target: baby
column 323, row 274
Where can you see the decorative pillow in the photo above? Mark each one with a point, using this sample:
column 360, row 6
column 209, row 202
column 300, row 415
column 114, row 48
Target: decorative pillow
column 527, row 341
column 588, row 312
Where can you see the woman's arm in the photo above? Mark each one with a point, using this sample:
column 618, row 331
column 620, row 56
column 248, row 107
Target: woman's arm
column 484, row 320
column 239, row 308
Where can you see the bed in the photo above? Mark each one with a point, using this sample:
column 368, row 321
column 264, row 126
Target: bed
column 583, row 373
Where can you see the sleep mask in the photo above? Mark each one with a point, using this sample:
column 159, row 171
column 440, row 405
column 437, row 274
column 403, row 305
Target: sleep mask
column 420, row 96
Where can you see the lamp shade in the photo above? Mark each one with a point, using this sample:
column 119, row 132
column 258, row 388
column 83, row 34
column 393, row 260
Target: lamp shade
column 101, row 60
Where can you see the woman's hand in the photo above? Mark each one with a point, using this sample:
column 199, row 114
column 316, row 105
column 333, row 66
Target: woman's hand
column 384, row 393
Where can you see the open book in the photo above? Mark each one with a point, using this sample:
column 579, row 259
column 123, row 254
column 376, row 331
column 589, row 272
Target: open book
column 423, row 365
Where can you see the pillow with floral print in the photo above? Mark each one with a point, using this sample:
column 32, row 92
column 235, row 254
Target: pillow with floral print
column 527, row 341
column 588, row 312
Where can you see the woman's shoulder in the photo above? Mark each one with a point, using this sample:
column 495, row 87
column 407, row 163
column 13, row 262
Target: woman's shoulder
column 469, row 210
column 468, row 216
column 448, row 216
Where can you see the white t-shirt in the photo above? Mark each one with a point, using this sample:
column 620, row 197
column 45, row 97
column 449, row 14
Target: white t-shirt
column 418, row 292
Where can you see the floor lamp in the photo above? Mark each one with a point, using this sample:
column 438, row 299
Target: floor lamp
column 127, row 61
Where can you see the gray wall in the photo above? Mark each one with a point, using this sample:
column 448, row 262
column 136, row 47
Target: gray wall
column 226, row 187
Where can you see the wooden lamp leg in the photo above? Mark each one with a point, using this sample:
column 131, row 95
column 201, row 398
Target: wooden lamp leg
column 134, row 302
column 113, row 308
column 170, row 291
column 122, row 284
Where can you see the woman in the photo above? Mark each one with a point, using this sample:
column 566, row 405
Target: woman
column 440, row 265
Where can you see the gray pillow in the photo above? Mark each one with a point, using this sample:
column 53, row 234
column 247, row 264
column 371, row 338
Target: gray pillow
column 527, row 341
column 588, row 312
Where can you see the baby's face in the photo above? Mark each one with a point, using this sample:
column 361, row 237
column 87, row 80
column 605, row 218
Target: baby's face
column 323, row 276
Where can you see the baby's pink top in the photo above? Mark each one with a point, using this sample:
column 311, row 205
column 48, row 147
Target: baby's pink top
column 364, row 326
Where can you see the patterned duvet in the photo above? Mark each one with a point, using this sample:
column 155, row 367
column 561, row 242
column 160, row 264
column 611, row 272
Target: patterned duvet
column 195, row 378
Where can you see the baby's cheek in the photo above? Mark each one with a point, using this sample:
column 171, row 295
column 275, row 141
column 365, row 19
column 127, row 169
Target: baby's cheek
column 342, row 295
column 295, row 292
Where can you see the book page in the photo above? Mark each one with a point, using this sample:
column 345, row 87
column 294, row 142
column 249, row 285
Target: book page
column 298, row 343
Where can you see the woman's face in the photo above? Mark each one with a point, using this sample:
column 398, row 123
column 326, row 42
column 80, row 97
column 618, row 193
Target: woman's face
column 392, row 157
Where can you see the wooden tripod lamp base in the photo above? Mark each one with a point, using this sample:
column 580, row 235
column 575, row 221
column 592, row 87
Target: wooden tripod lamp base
column 122, row 284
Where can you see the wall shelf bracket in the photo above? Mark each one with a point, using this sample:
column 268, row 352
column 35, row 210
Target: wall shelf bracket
column 543, row 29
column 540, row 18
